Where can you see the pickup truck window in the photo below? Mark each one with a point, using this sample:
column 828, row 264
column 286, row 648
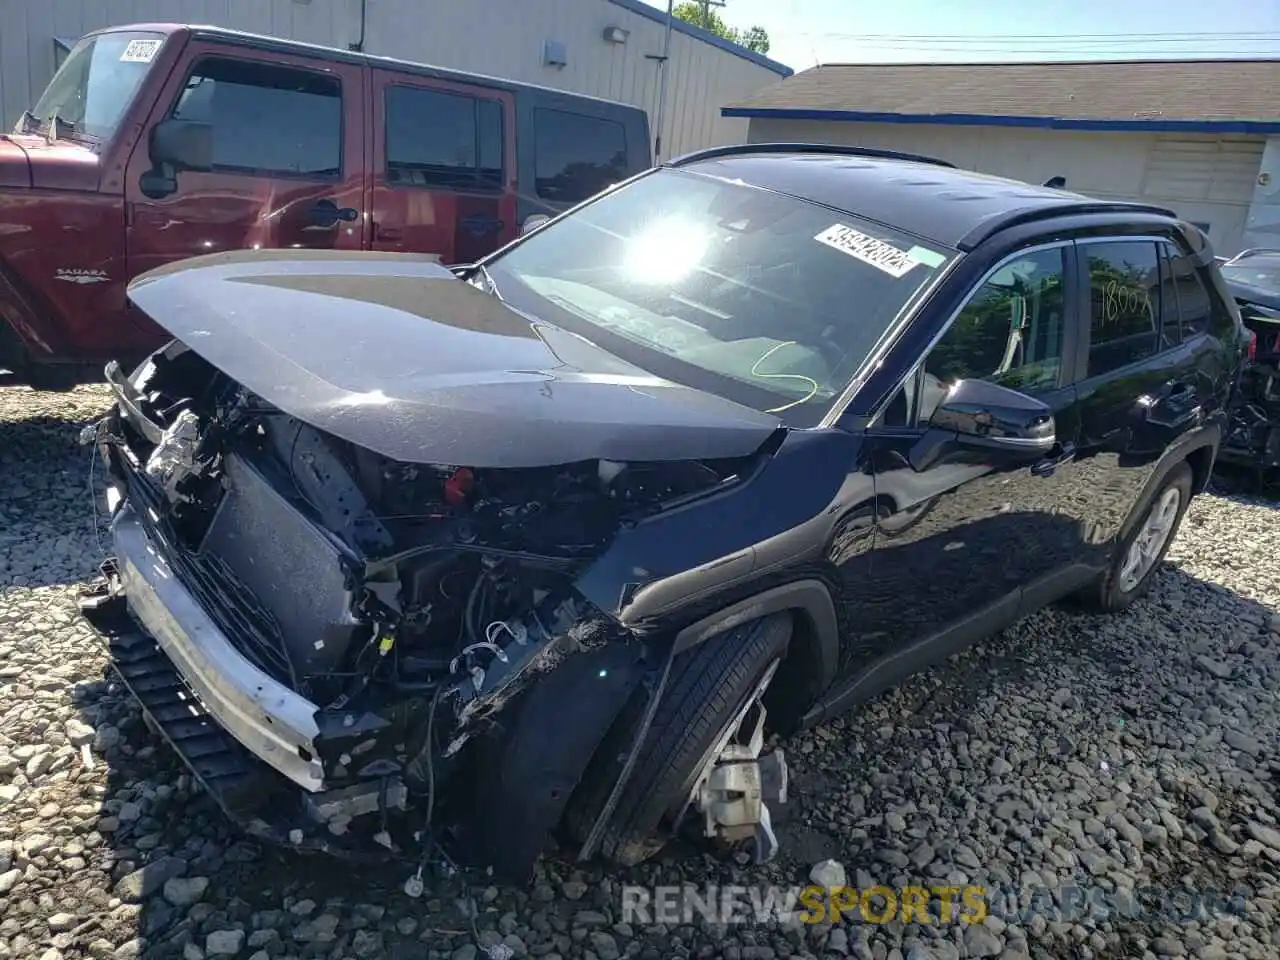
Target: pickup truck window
column 439, row 139
column 265, row 118
column 95, row 85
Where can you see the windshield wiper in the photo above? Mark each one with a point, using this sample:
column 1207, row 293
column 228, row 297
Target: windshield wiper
column 29, row 122
column 488, row 280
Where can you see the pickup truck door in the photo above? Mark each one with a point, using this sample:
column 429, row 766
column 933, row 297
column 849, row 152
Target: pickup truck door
column 288, row 158
column 443, row 167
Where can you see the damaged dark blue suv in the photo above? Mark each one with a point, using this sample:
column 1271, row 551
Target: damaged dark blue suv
column 409, row 558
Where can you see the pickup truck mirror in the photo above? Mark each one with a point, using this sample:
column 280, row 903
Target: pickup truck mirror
column 991, row 417
column 182, row 145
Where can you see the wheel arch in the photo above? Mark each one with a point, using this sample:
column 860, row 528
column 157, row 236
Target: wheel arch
column 1198, row 453
column 813, row 659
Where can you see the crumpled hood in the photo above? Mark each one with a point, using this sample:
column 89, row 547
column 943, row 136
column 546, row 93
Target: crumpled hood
column 15, row 168
column 395, row 354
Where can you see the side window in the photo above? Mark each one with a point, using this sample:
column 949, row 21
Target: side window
column 438, row 139
column 1124, row 303
column 575, row 157
column 266, row 118
column 1173, row 330
column 1011, row 331
column 1201, row 311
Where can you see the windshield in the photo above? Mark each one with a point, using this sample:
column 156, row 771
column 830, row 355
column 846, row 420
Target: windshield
column 1261, row 270
column 770, row 301
column 91, row 91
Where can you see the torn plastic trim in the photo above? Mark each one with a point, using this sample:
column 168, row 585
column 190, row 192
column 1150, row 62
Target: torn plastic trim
column 130, row 401
column 539, row 643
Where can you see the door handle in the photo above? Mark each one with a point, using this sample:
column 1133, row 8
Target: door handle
column 326, row 213
column 1060, row 454
column 381, row 232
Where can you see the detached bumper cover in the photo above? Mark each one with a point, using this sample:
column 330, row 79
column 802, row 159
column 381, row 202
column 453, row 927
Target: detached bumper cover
column 270, row 720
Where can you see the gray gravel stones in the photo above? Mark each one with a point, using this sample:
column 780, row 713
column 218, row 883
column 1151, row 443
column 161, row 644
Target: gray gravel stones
column 1072, row 751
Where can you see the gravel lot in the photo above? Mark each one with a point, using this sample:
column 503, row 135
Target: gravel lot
column 1115, row 753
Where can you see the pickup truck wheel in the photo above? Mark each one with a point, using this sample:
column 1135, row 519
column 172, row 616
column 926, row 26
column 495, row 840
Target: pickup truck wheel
column 709, row 698
column 1141, row 552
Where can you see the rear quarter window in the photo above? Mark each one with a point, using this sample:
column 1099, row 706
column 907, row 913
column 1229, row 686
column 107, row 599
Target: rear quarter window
column 576, row 156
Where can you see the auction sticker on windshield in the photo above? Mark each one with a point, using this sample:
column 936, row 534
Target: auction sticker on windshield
column 883, row 256
column 140, row 51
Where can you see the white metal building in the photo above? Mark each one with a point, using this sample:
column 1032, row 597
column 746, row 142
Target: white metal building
column 1199, row 137
column 605, row 48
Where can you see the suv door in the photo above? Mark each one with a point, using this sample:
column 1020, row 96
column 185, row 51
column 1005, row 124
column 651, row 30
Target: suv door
column 443, row 167
column 960, row 538
column 288, row 164
column 1151, row 367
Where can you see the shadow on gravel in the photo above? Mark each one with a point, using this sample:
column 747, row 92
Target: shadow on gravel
column 1245, row 486
column 183, row 885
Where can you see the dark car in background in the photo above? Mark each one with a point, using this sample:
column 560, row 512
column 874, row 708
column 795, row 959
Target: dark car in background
column 157, row 142
column 1253, row 277
column 549, row 543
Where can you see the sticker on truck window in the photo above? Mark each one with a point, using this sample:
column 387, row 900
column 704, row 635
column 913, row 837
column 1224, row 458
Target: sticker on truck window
column 883, row 256
column 140, row 51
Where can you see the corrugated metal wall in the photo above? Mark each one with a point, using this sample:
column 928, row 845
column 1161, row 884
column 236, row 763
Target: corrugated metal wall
column 1206, row 179
column 499, row 37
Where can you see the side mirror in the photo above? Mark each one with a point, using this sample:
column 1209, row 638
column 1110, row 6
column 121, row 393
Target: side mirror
column 990, row 417
column 182, row 145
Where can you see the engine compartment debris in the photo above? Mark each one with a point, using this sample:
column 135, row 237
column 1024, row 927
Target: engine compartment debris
column 400, row 608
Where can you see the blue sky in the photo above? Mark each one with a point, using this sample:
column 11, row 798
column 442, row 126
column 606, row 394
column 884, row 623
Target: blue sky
column 805, row 32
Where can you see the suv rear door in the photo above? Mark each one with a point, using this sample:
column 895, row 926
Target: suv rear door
column 288, row 158
column 1152, row 366
column 443, row 166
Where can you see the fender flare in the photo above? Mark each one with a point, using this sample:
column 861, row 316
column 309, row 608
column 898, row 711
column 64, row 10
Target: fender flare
column 810, row 598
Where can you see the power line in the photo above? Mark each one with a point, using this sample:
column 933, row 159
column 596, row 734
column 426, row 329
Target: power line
column 1041, row 37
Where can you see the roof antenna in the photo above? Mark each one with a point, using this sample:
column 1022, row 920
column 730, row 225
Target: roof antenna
column 1056, row 182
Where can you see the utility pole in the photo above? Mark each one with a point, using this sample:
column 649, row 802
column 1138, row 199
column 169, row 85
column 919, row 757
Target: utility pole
column 706, row 11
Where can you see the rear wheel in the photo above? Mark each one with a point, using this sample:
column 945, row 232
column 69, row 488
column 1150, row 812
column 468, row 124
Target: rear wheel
column 1140, row 553
column 711, row 716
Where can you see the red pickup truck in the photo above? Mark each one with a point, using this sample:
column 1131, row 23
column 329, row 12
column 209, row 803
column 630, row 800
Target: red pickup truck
column 158, row 142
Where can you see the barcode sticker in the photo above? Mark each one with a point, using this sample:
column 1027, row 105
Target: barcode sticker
column 883, row 256
column 140, row 51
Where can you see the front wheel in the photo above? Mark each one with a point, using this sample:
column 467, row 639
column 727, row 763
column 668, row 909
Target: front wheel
column 1139, row 555
column 710, row 713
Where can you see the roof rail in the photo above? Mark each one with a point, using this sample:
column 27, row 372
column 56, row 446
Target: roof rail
column 987, row 229
column 832, row 149
column 1249, row 253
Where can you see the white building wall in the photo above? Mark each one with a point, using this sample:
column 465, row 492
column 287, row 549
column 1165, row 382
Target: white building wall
column 503, row 38
column 1204, row 178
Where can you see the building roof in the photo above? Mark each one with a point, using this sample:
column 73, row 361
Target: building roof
column 950, row 207
column 1223, row 96
column 706, row 36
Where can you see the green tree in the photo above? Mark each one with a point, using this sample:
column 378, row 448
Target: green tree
column 755, row 38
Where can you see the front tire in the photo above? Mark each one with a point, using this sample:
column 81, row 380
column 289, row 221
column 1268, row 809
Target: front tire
column 1141, row 552
column 706, row 690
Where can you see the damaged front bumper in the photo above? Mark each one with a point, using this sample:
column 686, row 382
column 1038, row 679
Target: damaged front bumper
column 273, row 722
column 258, row 799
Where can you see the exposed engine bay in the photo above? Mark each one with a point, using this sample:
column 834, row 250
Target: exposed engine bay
column 410, row 604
